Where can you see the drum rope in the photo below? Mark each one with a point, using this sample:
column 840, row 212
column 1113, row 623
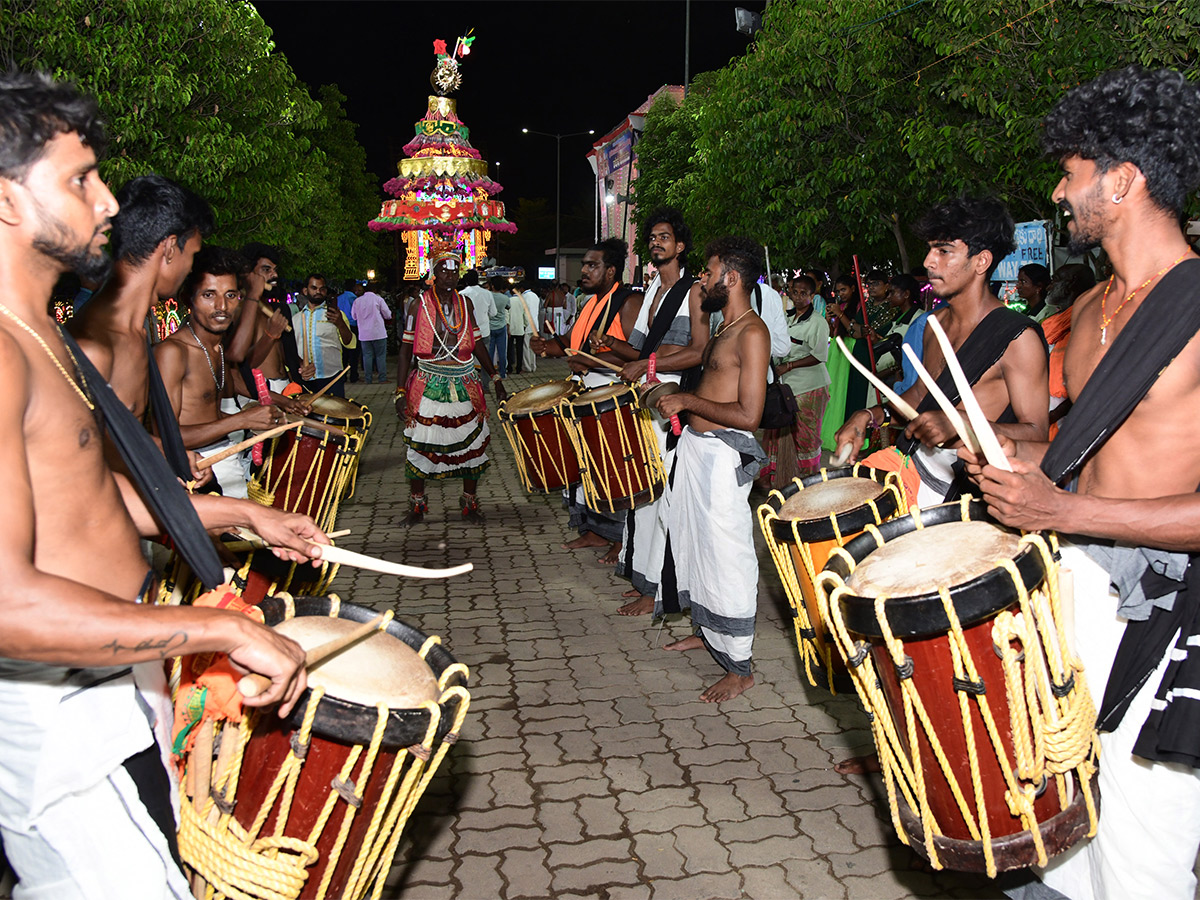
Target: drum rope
column 1051, row 712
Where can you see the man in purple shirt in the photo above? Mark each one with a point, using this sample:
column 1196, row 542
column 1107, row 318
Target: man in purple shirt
column 370, row 310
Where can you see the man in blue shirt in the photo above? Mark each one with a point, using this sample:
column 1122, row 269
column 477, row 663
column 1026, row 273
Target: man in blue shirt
column 350, row 355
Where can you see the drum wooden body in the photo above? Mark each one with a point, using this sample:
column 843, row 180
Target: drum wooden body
column 982, row 717
column 619, row 463
column 314, row 805
column 308, row 470
column 546, row 459
column 801, row 525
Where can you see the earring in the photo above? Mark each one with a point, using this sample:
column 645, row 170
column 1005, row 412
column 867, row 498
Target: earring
column 1117, row 198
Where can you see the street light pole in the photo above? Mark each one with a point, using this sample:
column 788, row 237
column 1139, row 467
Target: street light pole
column 557, row 190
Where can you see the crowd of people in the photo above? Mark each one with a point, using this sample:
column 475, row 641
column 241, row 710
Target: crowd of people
column 104, row 428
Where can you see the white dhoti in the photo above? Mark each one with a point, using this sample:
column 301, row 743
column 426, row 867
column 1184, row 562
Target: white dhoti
column 711, row 530
column 1149, row 832
column 230, row 472
column 72, row 821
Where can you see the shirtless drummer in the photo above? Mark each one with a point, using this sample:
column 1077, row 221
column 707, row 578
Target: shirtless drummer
column 79, row 768
column 710, row 529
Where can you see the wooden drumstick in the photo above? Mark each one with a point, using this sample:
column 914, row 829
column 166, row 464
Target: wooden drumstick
column 252, row 685
column 313, row 423
column 237, row 448
column 321, row 393
column 342, row 557
column 898, row 403
column 265, row 311
column 337, row 534
column 979, row 423
column 592, row 359
column 965, row 434
column 528, row 315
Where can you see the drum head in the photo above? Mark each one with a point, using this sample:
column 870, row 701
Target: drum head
column 540, row 397
column 652, row 395
column 604, row 394
column 377, row 669
column 820, row 500
column 930, row 558
column 334, row 407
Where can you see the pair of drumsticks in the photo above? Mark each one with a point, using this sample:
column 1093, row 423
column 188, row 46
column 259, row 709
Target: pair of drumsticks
column 977, row 436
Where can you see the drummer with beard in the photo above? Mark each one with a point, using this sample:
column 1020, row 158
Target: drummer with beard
column 200, row 385
column 710, row 529
column 611, row 312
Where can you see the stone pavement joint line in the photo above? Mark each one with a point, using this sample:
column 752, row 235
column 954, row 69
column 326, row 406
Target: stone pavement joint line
column 587, row 766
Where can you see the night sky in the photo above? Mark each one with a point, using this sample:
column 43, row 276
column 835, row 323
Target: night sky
column 550, row 66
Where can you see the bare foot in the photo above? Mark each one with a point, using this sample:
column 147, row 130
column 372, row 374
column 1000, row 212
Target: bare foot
column 728, row 687
column 642, row 606
column 859, row 765
column 613, row 556
column 587, row 539
column 688, row 643
column 632, row 592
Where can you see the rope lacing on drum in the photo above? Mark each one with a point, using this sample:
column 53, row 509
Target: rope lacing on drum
column 1052, row 729
column 815, row 657
column 235, row 862
column 613, row 467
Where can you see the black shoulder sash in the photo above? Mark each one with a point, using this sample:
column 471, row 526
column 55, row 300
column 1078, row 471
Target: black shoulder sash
column 982, row 349
column 667, row 311
column 152, row 475
column 1156, row 333
column 165, row 421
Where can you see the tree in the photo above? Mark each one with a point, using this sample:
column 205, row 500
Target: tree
column 844, row 121
column 193, row 90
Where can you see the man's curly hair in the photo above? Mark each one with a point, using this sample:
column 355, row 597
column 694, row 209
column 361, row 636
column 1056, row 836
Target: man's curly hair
column 982, row 223
column 1133, row 115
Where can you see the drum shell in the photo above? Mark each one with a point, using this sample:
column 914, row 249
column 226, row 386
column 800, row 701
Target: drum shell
column 809, row 543
column 339, row 726
column 307, row 472
column 546, row 458
column 620, row 465
column 921, row 623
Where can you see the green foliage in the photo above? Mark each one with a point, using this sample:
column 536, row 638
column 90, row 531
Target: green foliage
column 193, row 90
column 845, row 120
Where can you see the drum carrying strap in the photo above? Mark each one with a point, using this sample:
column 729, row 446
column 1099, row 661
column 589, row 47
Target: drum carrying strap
column 151, row 474
column 1156, row 333
column 165, row 421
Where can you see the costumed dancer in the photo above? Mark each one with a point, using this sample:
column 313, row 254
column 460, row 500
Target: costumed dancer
column 440, row 401
column 611, row 311
column 710, row 529
column 1130, row 463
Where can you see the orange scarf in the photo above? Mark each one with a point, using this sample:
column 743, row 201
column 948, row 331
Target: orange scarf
column 587, row 320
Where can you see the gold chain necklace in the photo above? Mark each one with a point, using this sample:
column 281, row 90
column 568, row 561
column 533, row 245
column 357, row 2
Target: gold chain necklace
column 1106, row 320
column 725, row 326
column 50, row 353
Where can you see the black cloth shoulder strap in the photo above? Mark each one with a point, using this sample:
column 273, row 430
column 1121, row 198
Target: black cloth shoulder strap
column 982, row 349
column 151, row 474
column 667, row 311
column 1156, row 333
column 165, row 421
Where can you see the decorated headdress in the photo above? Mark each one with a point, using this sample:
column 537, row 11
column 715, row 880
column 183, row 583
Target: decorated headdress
column 443, row 249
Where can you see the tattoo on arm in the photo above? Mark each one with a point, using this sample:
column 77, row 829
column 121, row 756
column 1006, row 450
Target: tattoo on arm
column 167, row 646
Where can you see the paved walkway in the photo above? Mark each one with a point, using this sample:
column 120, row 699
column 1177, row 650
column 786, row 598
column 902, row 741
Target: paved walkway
column 587, row 766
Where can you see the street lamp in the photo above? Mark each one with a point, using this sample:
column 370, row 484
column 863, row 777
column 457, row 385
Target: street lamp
column 557, row 188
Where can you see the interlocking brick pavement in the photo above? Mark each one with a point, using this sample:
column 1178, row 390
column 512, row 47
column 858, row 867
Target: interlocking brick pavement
column 587, row 766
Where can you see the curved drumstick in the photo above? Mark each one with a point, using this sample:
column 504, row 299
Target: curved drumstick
column 898, row 403
column 252, row 685
column 979, row 423
column 242, row 445
column 342, row 557
column 965, row 434
column 652, row 378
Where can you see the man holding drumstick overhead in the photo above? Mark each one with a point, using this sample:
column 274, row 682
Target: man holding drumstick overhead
column 84, row 799
column 1123, row 470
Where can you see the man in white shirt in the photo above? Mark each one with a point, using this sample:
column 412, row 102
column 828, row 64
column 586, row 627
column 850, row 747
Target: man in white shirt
column 321, row 332
column 483, row 305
